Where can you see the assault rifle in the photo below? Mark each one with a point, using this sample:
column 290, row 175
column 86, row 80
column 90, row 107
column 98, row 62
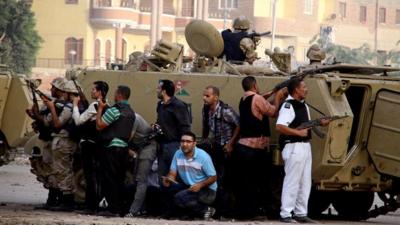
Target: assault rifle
column 313, row 124
column 84, row 101
column 156, row 132
column 255, row 36
column 283, row 84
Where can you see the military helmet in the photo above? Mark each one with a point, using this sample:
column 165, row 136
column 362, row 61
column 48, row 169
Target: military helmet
column 70, row 87
column 59, row 83
column 241, row 23
column 315, row 53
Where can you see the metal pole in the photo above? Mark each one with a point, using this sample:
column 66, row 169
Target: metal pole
column 376, row 25
column 225, row 12
column 273, row 24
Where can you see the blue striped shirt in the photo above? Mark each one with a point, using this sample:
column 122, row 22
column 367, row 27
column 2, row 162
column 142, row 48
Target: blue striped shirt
column 194, row 170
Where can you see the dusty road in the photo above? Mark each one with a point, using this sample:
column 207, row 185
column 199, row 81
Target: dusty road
column 20, row 193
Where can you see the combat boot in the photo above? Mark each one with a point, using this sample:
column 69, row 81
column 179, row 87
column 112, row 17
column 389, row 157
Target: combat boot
column 66, row 203
column 52, row 199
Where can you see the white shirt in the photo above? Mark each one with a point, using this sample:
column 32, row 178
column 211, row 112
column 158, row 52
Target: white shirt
column 89, row 114
column 287, row 114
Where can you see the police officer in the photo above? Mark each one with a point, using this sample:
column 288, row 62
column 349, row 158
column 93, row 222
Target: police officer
column 115, row 127
column 90, row 150
column 62, row 145
column 238, row 47
column 42, row 159
column 296, row 154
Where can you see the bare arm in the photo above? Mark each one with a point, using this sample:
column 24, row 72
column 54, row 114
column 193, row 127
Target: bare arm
column 100, row 124
column 172, row 175
column 205, row 183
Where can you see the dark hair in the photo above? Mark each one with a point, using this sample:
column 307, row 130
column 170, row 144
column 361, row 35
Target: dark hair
column 189, row 133
column 124, row 91
column 214, row 89
column 102, row 87
column 248, row 83
column 168, row 86
column 293, row 84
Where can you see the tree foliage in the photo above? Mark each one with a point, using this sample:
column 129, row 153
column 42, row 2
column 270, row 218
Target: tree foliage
column 361, row 55
column 21, row 42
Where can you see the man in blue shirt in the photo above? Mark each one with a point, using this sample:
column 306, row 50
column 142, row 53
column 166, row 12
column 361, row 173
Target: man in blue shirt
column 194, row 167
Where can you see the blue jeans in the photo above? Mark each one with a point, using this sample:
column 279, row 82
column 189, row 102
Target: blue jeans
column 194, row 203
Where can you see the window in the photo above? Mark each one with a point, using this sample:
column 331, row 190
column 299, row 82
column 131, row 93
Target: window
column 382, row 15
column 230, row 4
column 363, row 14
column 73, row 51
column 187, row 8
column 145, row 5
column 108, row 51
column 342, row 9
column 168, row 7
column 398, row 16
column 128, row 3
column 71, row 1
column 97, row 47
column 104, row 3
column 308, row 7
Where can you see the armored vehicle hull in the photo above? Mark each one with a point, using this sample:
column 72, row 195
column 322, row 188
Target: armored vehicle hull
column 357, row 158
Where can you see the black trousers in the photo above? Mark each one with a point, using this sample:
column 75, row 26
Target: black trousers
column 115, row 164
column 251, row 171
column 91, row 156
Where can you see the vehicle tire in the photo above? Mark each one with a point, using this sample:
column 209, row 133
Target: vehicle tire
column 353, row 205
column 79, row 186
column 319, row 201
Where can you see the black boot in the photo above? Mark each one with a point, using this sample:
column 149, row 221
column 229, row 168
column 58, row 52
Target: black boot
column 67, row 203
column 52, row 199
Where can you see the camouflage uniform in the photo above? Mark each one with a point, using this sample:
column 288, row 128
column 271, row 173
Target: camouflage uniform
column 42, row 165
column 63, row 148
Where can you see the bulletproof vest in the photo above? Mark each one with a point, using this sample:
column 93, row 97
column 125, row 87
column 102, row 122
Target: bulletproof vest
column 88, row 130
column 232, row 49
column 122, row 127
column 251, row 126
column 301, row 116
column 45, row 131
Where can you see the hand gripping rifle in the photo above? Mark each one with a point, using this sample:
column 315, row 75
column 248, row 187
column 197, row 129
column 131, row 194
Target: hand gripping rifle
column 256, row 37
column 84, row 101
column 313, row 124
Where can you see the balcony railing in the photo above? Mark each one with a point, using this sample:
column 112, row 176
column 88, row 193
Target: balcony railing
column 60, row 63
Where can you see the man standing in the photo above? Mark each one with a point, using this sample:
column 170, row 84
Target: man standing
column 237, row 45
column 220, row 128
column 115, row 128
column 174, row 119
column 146, row 148
column 89, row 142
column 42, row 162
column 251, row 152
column 63, row 146
column 195, row 168
column 296, row 153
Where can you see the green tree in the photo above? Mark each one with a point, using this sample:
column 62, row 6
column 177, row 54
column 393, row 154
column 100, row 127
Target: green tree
column 20, row 41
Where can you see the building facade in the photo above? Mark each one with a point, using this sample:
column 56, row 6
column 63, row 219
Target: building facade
column 96, row 32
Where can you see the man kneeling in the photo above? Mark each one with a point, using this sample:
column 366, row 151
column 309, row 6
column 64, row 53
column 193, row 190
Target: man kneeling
column 196, row 171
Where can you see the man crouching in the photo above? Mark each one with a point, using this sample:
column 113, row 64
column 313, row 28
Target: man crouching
column 196, row 171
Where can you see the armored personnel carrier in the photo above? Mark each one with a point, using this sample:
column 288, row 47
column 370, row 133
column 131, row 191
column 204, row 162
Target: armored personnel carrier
column 14, row 123
column 358, row 156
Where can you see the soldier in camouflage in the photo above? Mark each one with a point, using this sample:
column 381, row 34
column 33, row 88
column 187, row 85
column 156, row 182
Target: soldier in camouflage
column 238, row 47
column 62, row 145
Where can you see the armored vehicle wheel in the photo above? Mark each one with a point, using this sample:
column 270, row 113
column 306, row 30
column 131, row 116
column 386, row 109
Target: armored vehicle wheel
column 353, row 205
column 319, row 202
column 79, row 186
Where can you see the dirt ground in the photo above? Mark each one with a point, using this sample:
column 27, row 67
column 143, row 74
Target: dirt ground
column 20, row 193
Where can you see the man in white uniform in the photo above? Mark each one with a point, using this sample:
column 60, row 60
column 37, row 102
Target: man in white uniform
column 296, row 154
